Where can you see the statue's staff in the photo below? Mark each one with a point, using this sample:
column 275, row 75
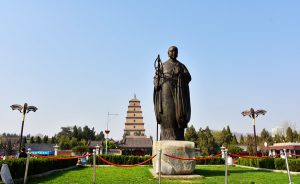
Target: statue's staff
column 159, row 74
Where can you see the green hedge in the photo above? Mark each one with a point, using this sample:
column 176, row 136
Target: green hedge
column 121, row 159
column 129, row 160
column 271, row 163
column 36, row 165
column 257, row 162
column 213, row 161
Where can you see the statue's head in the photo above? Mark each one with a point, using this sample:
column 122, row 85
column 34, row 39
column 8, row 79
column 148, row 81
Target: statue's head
column 173, row 52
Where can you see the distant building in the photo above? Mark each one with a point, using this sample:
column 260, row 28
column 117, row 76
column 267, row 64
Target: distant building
column 278, row 131
column 41, row 149
column 292, row 149
column 135, row 141
column 137, row 145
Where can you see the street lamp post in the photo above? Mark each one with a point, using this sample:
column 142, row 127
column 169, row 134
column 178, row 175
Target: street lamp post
column 253, row 114
column 23, row 109
column 107, row 130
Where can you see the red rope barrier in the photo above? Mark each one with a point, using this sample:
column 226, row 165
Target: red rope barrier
column 55, row 158
column 245, row 156
column 180, row 158
column 125, row 166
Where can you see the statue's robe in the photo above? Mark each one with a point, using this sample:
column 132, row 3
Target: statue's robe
column 172, row 100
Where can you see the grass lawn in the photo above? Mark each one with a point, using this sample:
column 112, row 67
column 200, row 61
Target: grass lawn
column 213, row 174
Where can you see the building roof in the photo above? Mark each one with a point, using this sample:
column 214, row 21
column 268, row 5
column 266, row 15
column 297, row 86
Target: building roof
column 289, row 145
column 137, row 142
column 40, row 147
column 93, row 144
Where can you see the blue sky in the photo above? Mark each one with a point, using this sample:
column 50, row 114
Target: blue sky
column 78, row 60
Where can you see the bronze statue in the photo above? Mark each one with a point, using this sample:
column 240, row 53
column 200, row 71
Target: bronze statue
column 172, row 96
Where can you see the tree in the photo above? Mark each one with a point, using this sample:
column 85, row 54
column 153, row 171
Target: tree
column 250, row 145
column 228, row 135
column 295, row 136
column 191, row 134
column 242, row 140
column 234, row 140
column 53, row 140
column 32, row 140
column 202, row 142
column 88, row 134
column 45, row 139
column 277, row 138
column 289, row 135
column 265, row 137
column 211, row 144
column 73, row 142
column 38, row 140
column 65, row 131
column 75, row 132
column 64, row 143
column 100, row 136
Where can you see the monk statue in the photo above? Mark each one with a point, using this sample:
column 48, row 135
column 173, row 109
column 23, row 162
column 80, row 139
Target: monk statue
column 172, row 96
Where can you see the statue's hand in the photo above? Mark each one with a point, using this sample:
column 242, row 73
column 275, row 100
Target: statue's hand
column 176, row 70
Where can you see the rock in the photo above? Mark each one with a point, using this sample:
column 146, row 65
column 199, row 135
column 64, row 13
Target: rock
column 172, row 166
column 5, row 174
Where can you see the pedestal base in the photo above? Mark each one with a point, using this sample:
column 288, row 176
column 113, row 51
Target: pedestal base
column 172, row 166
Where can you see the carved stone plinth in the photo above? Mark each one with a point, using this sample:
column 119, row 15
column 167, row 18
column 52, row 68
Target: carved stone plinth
column 172, row 166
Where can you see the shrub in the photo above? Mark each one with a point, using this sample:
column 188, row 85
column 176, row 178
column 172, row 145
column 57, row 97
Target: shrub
column 213, row 161
column 36, row 165
column 120, row 159
column 271, row 163
column 257, row 162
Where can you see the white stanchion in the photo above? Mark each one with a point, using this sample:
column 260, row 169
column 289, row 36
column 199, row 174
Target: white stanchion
column 94, row 165
column 287, row 166
column 27, row 165
column 159, row 166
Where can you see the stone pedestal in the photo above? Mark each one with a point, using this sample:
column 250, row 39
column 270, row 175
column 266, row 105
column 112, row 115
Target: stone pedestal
column 172, row 166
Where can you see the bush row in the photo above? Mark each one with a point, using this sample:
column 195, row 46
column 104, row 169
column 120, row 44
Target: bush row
column 213, row 161
column 271, row 163
column 129, row 160
column 36, row 165
column 120, row 159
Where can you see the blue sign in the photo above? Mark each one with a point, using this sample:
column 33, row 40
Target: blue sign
column 42, row 152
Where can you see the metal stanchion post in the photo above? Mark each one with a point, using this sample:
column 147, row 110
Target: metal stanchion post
column 159, row 165
column 287, row 166
column 94, row 165
column 226, row 166
column 27, row 164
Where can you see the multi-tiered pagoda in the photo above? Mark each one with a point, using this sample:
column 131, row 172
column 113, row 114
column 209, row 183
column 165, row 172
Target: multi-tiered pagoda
column 135, row 141
column 134, row 125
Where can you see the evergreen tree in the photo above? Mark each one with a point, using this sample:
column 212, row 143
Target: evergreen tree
column 234, row 140
column 211, row 144
column 191, row 134
column 295, row 136
column 75, row 132
column 100, row 136
column 202, row 142
column 250, row 144
column 223, row 137
column 38, row 140
column 45, row 139
column 53, row 140
column 289, row 135
column 228, row 135
column 32, row 140
column 242, row 141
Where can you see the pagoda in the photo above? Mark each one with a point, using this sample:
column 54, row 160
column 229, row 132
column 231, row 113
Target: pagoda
column 134, row 125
